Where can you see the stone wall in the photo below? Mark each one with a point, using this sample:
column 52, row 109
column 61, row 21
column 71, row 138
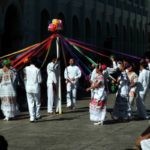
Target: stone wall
column 117, row 24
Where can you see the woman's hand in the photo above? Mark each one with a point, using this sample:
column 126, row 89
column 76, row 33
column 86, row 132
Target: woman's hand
column 88, row 89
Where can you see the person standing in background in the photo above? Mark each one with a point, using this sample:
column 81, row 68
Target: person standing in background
column 143, row 84
column 72, row 74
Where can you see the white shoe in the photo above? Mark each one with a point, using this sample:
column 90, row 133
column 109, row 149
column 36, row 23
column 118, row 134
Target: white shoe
column 98, row 123
column 68, row 106
column 32, row 121
column 6, row 118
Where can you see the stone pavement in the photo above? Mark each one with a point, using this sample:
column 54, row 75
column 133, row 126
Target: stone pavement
column 72, row 131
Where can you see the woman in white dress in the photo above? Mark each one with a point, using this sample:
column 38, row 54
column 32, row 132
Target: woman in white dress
column 7, row 91
column 98, row 103
column 121, row 108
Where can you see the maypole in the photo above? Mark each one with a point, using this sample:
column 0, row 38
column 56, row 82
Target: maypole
column 59, row 78
column 56, row 26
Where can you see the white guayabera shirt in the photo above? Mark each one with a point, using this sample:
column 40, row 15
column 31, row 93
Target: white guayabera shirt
column 143, row 80
column 51, row 72
column 72, row 72
column 33, row 78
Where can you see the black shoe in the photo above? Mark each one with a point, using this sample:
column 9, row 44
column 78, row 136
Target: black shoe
column 37, row 118
column 33, row 121
column 69, row 107
column 143, row 118
column 113, row 117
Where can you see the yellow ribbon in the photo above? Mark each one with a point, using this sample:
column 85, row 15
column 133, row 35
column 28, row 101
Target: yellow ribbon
column 25, row 49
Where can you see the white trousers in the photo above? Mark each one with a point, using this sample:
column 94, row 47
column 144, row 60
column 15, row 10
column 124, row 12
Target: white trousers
column 141, row 105
column 71, row 94
column 34, row 105
column 50, row 95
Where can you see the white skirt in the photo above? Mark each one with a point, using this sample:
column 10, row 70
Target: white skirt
column 97, row 110
column 9, row 107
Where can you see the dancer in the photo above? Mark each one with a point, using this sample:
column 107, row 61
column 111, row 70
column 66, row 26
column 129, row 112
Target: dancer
column 133, row 77
column 72, row 74
column 51, row 84
column 7, row 91
column 98, row 103
column 121, row 108
column 33, row 80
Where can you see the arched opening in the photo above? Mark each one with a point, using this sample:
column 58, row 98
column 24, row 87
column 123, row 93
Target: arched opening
column 98, row 33
column 116, row 36
column 108, row 40
column 128, row 33
column 131, row 39
column 108, row 29
column 12, row 37
column 45, row 17
column 143, row 37
column 131, row 34
column 75, row 28
column 124, row 38
column 124, row 33
column 137, row 41
column 87, row 30
column 116, row 31
column 62, row 17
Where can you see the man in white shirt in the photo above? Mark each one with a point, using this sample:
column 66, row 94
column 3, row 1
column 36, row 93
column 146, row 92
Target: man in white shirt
column 72, row 74
column 114, row 62
column 33, row 80
column 51, row 84
column 148, row 63
column 143, row 84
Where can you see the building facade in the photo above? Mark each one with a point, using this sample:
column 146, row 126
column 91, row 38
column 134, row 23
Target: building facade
column 114, row 24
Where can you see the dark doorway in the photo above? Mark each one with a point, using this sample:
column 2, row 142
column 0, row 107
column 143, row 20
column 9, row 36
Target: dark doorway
column 75, row 28
column 87, row 30
column 12, row 37
column 108, row 40
column 45, row 18
column 62, row 17
column 124, row 38
column 98, row 33
column 108, row 43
